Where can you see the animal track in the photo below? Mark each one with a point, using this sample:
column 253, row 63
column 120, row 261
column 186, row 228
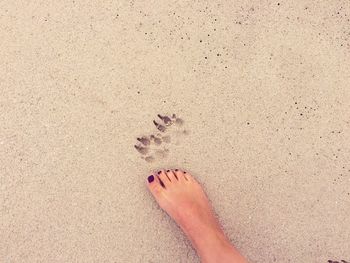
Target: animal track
column 155, row 145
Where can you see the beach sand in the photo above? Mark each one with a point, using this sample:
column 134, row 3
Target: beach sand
column 259, row 89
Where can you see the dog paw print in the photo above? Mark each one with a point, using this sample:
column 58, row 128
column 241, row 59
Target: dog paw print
column 156, row 145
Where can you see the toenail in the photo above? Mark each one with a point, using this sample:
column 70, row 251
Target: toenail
column 168, row 171
column 176, row 170
column 159, row 172
column 150, row 178
column 161, row 183
column 184, row 172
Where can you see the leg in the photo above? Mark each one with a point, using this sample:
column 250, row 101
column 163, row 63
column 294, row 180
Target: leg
column 181, row 196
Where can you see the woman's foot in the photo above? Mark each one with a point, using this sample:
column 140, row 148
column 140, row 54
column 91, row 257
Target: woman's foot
column 182, row 197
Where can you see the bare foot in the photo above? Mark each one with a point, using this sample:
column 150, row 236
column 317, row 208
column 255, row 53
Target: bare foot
column 182, row 197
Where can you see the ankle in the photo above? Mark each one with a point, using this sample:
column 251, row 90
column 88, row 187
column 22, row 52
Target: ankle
column 205, row 236
column 212, row 245
column 221, row 251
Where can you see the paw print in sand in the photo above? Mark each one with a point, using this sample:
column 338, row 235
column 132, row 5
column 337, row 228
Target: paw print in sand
column 156, row 145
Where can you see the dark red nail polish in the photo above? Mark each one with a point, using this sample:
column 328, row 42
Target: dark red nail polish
column 161, row 183
column 184, row 172
column 150, row 178
column 159, row 172
column 168, row 171
column 176, row 170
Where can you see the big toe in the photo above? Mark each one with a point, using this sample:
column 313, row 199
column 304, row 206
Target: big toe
column 154, row 185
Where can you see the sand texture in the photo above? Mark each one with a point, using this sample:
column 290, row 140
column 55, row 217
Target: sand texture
column 260, row 90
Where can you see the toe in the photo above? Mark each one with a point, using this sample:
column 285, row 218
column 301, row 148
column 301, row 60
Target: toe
column 154, row 185
column 180, row 175
column 172, row 176
column 164, row 178
column 189, row 177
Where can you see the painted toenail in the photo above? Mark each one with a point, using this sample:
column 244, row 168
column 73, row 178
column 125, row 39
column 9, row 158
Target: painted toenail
column 150, row 178
column 159, row 172
column 176, row 170
column 161, row 183
column 184, row 172
column 168, row 171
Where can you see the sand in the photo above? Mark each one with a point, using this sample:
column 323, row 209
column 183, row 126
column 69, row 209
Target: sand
column 262, row 91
